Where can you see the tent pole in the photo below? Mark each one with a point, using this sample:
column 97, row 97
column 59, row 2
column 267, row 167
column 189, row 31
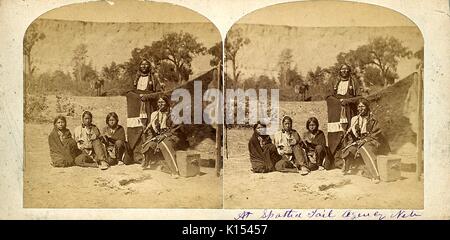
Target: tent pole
column 219, row 159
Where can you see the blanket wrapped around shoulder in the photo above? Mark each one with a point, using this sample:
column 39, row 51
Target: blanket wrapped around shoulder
column 135, row 122
column 334, row 128
column 62, row 152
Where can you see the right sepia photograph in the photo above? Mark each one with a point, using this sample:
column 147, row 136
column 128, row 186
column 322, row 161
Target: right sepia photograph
column 324, row 108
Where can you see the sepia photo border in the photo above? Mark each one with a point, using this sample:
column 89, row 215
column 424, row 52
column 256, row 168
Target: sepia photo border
column 431, row 17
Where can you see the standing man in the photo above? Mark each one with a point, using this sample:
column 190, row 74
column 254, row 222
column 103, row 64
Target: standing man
column 341, row 108
column 141, row 102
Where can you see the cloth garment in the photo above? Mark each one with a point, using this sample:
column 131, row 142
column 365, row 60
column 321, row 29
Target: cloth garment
column 316, row 148
column 136, row 124
column 263, row 153
column 288, row 146
column 116, row 146
column 88, row 141
column 160, row 121
column 342, row 87
column 143, row 82
column 340, row 114
column 63, row 148
column 93, row 157
column 153, row 149
column 161, row 138
column 367, row 144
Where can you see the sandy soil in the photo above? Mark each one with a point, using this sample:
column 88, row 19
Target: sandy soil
column 118, row 187
column 319, row 189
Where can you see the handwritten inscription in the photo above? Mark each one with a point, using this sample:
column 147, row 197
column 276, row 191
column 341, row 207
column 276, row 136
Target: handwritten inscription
column 402, row 214
column 270, row 214
column 286, row 214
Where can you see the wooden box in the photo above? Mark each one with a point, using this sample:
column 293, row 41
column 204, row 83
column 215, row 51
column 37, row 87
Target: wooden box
column 188, row 163
column 209, row 163
column 389, row 167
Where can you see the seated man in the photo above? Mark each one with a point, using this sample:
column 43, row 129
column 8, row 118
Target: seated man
column 161, row 138
column 365, row 141
column 288, row 143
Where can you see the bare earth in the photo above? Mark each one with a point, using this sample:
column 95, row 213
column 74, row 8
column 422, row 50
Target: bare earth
column 118, row 187
column 319, row 189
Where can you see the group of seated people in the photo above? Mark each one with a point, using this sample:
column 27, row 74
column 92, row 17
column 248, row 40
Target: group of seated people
column 290, row 152
column 88, row 147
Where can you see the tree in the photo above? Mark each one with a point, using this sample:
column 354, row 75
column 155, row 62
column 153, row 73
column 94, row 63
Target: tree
column 316, row 77
column 216, row 52
column 385, row 53
column 32, row 36
column 131, row 66
column 170, row 57
column 372, row 76
column 381, row 52
column 178, row 49
column 111, row 73
column 293, row 77
column 284, row 62
column 79, row 61
column 264, row 82
column 233, row 42
column 419, row 55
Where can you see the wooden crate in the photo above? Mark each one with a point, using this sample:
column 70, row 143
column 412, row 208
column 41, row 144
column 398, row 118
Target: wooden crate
column 188, row 163
column 389, row 167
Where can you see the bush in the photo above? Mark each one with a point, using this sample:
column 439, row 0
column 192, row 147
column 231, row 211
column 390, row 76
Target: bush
column 34, row 108
column 64, row 106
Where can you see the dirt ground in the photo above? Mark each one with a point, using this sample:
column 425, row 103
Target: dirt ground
column 118, row 187
column 319, row 189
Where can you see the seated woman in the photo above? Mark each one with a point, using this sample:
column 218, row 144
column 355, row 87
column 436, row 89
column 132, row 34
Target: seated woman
column 315, row 146
column 288, row 142
column 87, row 136
column 63, row 148
column 113, row 136
column 365, row 141
column 263, row 153
column 161, row 138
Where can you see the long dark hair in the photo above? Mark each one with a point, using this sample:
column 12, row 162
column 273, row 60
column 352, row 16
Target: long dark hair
column 286, row 118
column 366, row 103
column 59, row 117
column 314, row 120
column 112, row 115
column 258, row 123
column 82, row 118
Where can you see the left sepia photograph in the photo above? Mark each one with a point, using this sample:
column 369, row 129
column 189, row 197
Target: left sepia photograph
column 115, row 112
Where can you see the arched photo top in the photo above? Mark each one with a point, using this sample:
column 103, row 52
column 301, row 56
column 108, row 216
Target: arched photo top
column 327, row 14
column 118, row 31
column 120, row 62
column 314, row 34
column 324, row 58
column 125, row 11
